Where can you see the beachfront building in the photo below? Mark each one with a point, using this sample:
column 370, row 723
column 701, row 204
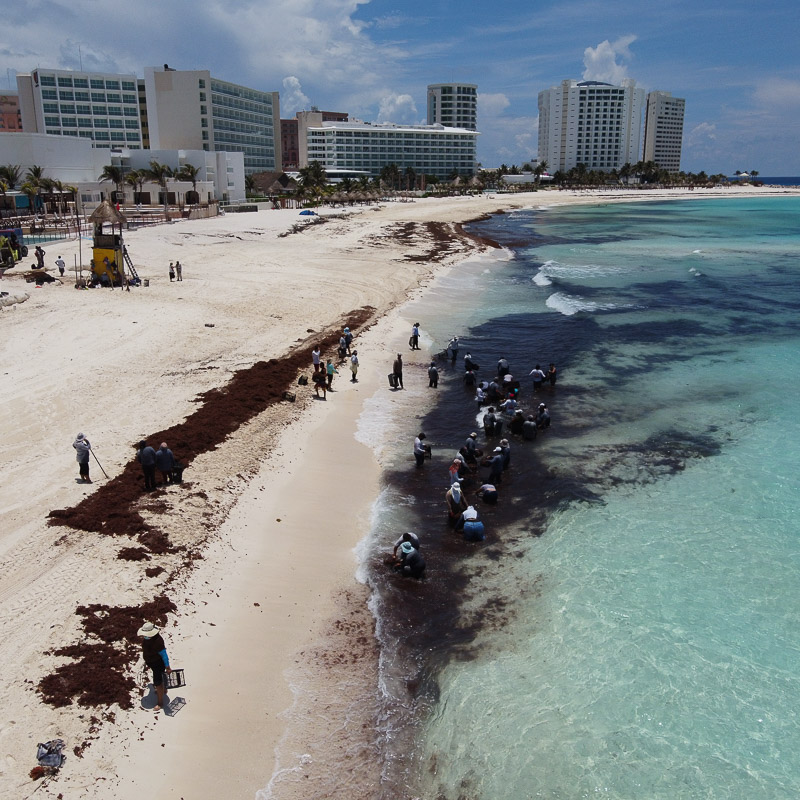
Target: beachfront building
column 190, row 109
column 591, row 123
column 10, row 116
column 364, row 148
column 290, row 133
column 102, row 108
column 453, row 105
column 75, row 162
column 663, row 130
column 68, row 159
column 220, row 175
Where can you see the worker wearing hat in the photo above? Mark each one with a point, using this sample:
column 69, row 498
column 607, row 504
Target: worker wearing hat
column 154, row 652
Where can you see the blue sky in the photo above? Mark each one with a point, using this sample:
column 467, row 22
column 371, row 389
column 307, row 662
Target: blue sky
column 736, row 63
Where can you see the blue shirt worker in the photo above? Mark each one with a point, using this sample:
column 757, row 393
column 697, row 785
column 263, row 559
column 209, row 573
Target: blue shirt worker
column 154, row 652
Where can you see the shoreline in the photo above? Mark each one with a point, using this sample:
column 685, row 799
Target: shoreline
column 295, row 454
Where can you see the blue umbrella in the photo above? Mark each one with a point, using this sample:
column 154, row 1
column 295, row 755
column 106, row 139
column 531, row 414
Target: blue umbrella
column 308, row 213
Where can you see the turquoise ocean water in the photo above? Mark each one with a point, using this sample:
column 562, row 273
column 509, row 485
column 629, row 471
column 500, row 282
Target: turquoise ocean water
column 646, row 557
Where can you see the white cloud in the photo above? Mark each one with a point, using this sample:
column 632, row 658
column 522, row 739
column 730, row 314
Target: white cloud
column 492, row 104
column 292, row 97
column 701, row 135
column 397, row 108
column 512, row 140
column 601, row 61
column 778, row 93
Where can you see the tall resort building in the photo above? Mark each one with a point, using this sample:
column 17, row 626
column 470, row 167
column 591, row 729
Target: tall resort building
column 453, row 105
column 663, row 130
column 591, row 123
column 357, row 148
column 190, row 109
column 101, row 107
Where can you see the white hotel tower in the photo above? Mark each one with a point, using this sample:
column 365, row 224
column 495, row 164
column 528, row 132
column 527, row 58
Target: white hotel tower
column 591, row 123
column 454, row 105
column 663, row 130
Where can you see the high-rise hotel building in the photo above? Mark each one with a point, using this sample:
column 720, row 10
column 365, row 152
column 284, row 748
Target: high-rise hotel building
column 193, row 110
column 663, row 130
column 453, row 105
column 102, row 107
column 591, row 123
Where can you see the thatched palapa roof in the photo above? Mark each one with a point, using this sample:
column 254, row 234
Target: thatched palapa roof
column 107, row 212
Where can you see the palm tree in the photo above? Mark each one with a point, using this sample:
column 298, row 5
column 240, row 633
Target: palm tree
column 160, row 174
column 35, row 178
column 411, row 178
column 30, row 191
column 189, row 172
column 313, row 180
column 4, row 187
column 115, row 175
column 58, row 186
column 249, row 185
column 11, row 173
column 390, row 175
column 135, row 179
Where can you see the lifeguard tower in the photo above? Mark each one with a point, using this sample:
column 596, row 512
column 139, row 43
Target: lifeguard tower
column 109, row 255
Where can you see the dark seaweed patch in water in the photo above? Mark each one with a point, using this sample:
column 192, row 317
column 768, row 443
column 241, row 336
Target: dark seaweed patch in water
column 430, row 623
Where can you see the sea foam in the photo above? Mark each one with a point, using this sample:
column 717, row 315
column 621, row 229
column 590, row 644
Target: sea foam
column 569, row 304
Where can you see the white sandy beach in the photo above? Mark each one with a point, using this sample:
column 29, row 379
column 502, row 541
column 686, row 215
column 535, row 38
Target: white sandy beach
column 277, row 509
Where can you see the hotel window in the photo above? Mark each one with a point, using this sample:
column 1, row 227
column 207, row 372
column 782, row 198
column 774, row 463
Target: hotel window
column 81, row 83
column 47, row 80
column 52, row 121
column 82, row 96
column 50, row 108
column 115, row 123
column 113, row 97
column 115, row 110
column 117, row 136
column 131, row 112
column 133, row 124
column 128, row 86
column 112, row 85
column 69, row 122
column 64, row 81
column 66, row 96
column 99, row 110
column 129, row 98
column 101, row 123
column 83, row 109
column 84, row 122
column 97, row 84
column 67, row 108
column 98, row 97
column 132, row 137
column 85, row 134
column 201, row 83
column 49, row 94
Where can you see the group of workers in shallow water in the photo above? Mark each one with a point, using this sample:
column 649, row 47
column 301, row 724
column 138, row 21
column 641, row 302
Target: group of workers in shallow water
column 504, row 390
